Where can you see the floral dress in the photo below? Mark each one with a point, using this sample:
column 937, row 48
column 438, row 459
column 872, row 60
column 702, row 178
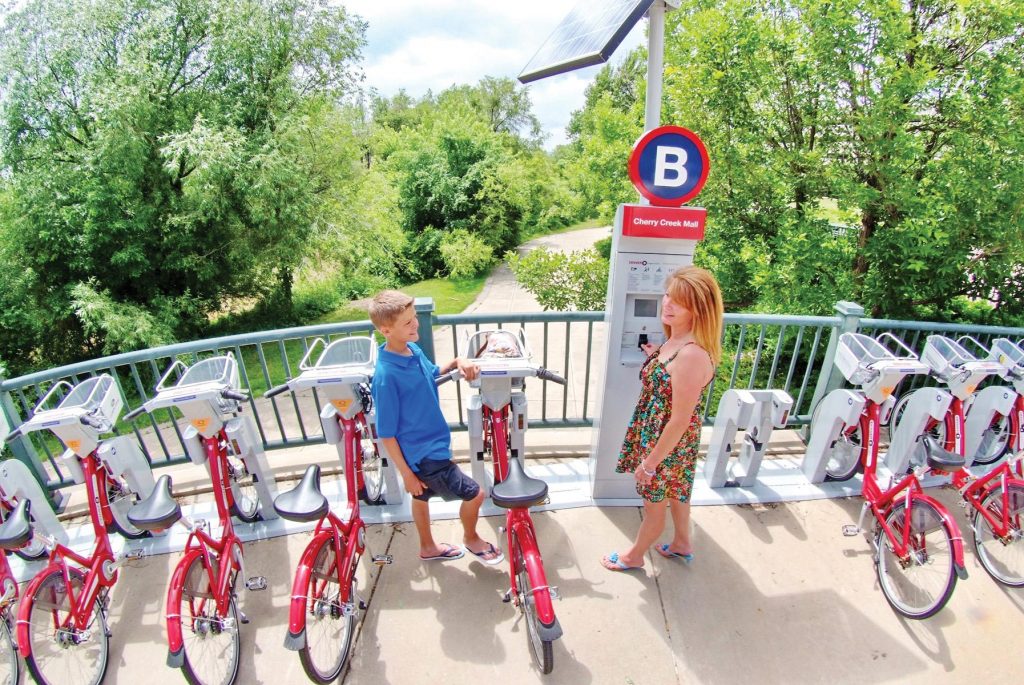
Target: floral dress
column 673, row 477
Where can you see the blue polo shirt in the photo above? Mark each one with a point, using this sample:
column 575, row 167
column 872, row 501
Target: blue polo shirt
column 408, row 408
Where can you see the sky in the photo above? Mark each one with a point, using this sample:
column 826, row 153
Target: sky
column 422, row 45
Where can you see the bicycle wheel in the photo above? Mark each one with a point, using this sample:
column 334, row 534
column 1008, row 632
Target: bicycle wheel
column 843, row 454
column 121, row 499
column 372, row 466
column 210, row 640
column 246, row 501
column 61, row 654
column 921, row 583
column 994, row 440
column 329, row 624
column 1002, row 558
column 540, row 647
column 10, row 673
column 938, row 431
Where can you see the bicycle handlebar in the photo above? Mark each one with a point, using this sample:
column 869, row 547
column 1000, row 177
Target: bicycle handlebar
column 276, row 390
column 13, row 435
column 232, row 395
column 134, row 413
column 546, row 375
column 452, row 375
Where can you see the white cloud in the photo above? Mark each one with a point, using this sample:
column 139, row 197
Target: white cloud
column 422, row 45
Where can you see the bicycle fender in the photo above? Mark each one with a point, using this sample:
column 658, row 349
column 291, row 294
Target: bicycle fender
column 958, row 538
column 551, row 632
column 175, row 643
column 296, row 637
column 535, row 569
column 24, row 644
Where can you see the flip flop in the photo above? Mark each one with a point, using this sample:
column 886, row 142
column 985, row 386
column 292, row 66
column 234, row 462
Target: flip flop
column 450, row 553
column 664, row 551
column 491, row 549
column 617, row 564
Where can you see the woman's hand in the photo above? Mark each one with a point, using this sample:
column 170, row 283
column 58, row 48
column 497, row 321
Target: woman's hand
column 642, row 475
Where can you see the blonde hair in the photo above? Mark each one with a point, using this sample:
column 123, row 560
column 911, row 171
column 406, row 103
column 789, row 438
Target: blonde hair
column 697, row 290
column 388, row 305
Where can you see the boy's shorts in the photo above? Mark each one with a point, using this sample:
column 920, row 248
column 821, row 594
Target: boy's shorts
column 445, row 480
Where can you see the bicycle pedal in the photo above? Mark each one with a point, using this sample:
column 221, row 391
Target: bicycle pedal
column 382, row 559
column 256, row 583
column 242, row 618
column 137, row 554
column 851, row 531
column 506, row 596
column 363, row 605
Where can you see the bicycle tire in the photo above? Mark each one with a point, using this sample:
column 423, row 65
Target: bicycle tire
column 918, row 455
column 995, row 440
column 120, row 499
column 210, row 641
column 55, row 655
column 922, row 587
column 1004, row 561
column 329, row 628
column 540, row 648
column 371, row 466
column 10, row 667
column 843, row 459
column 245, row 500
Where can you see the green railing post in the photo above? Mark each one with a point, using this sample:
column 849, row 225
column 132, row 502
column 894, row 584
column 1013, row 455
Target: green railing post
column 425, row 313
column 851, row 313
column 22, row 448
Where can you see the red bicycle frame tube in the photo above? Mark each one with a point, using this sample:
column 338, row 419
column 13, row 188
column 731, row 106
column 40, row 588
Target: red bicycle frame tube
column 518, row 524
column 95, row 578
column 909, row 488
column 201, row 544
column 347, row 534
column 954, row 423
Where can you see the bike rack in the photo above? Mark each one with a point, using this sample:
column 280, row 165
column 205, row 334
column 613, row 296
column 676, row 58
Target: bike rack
column 242, row 434
column 923, row 404
column 839, row 408
column 757, row 412
column 17, row 483
column 125, row 459
column 988, row 402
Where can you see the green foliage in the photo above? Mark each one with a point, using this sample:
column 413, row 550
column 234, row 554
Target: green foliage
column 171, row 156
column 563, row 282
column 120, row 326
column 464, row 254
column 603, row 247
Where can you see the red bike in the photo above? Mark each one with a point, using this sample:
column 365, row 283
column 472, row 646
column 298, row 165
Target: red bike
column 324, row 601
column 62, row 622
column 15, row 533
column 202, row 616
column 504, row 360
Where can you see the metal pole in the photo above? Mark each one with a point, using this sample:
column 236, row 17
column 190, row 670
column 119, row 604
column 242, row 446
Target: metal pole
column 655, row 64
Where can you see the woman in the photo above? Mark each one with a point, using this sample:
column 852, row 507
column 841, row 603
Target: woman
column 660, row 448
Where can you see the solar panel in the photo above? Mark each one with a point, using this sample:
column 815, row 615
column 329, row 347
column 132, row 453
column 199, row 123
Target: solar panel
column 587, row 36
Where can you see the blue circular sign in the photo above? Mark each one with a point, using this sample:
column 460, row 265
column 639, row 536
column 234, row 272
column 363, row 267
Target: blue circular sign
column 669, row 165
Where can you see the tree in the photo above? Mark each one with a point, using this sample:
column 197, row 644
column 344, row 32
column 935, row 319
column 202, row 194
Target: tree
column 168, row 155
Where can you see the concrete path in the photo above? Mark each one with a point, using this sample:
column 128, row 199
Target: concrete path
column 775, row 595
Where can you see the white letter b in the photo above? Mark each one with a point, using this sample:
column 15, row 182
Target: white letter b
column 670, row 159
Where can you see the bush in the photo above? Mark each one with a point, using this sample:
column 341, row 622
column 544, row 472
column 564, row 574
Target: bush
column 563, row 282
column 465, row 255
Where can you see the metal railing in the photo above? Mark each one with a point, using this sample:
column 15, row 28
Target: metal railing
column 791, row 353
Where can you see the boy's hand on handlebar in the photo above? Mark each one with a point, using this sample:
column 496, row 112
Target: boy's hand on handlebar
column 469, row 369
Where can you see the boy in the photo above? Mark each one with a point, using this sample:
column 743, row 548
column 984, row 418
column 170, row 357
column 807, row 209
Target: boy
column 415, row 432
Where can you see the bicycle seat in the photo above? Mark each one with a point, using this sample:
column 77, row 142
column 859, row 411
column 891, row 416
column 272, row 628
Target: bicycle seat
column 518, row 489
column 159, row 511
column 941, row 459
column 304, row 502
column 16, row 531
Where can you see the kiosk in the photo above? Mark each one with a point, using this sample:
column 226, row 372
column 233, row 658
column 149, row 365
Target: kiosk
column 668, row 166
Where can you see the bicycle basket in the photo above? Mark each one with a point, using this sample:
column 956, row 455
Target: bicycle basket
column 945, row 356
column 352, row 351
column 220, row 370
column 98, row 396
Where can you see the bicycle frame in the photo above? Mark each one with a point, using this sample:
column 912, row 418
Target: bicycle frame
column 518, row 523
column 975, row 490
column 348, row 534
column 227, row 549
column 882, row 501
column 100, row 566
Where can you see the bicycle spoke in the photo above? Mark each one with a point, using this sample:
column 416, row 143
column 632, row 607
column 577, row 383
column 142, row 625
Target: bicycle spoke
column 211, row 641
column 329, row 623
column 60, row 653
column 1002, row 557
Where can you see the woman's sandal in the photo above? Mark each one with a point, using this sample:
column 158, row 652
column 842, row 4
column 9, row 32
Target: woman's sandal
column 664, row 551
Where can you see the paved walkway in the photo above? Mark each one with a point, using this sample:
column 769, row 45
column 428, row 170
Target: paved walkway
column 775, row 595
